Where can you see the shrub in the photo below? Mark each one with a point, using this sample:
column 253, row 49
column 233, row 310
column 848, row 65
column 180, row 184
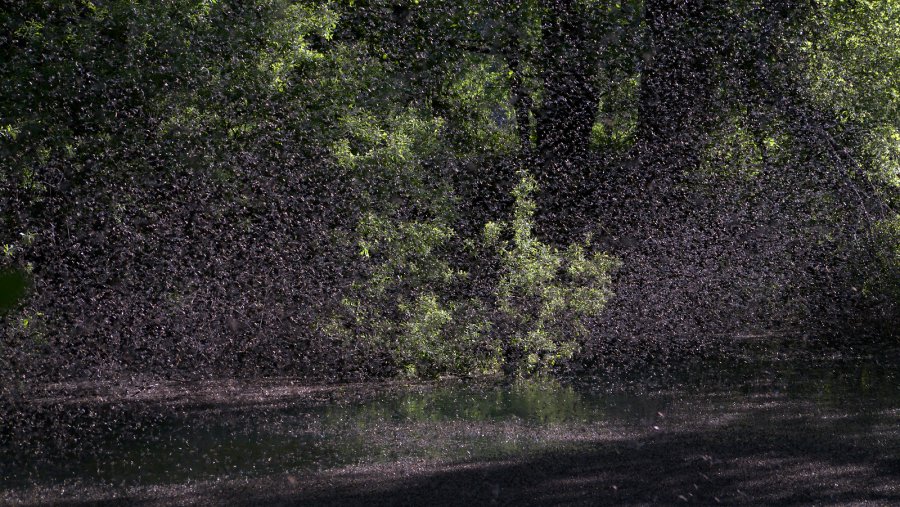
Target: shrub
column 410, row 303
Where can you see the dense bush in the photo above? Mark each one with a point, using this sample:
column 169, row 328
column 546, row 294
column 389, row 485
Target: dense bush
column 415, row 303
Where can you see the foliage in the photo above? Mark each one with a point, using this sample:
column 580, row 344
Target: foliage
column 548, row 295
column 319, row 187
column 532, row 321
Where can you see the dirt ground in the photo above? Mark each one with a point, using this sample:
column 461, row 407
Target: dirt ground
column 763, row 449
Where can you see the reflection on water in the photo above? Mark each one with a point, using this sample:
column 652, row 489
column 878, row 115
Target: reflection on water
column 121, row 444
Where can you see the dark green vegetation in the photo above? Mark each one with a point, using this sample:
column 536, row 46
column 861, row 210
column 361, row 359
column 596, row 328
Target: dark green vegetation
column 427, row 187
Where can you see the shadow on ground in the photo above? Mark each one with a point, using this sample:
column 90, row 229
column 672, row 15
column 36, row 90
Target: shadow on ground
column 784, row 460
column 763, row 449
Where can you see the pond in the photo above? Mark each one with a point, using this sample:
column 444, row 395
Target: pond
column 711, row 432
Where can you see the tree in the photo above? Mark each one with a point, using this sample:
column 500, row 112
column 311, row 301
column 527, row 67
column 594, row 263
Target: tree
column 253, row 167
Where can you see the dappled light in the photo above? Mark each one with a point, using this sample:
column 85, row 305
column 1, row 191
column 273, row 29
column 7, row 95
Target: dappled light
column 461, row 251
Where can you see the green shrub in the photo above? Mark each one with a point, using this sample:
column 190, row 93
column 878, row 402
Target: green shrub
column 409, row 303
column 548, row 295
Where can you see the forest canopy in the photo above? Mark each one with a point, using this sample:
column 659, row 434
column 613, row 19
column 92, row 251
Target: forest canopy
column 420, row 188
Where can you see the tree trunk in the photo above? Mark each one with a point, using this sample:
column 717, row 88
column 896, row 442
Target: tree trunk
column 564, row 121
column 569, row 106
column 677, row 86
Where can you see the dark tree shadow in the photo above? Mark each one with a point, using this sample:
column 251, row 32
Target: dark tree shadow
column 766, row 448
column 768, row 456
